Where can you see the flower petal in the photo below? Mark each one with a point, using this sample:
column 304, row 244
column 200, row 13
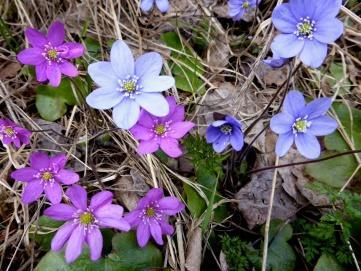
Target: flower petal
column 73, row 50
column 180, row 129
column 221, row 143
column 24, row 174
column 146, row 119
column 170, row 205
column 156, row 231
column 287, row 45
column 39, row 160
column 53, row 192
column 154, row 103
column 282, row 123
column 77, row 196
column 32, row 191
column 40, row 71
column 302, row 8
column 62, row 235
column 156, row 83
column 323, row 125
column 283, row 19
column 284, row 143
column 294, row 103
column 149, row 64
column 122, row 59
column 328, row 30
column 163, row 5
column 146, row 5
column 104, row 98
column 212, row 134
column 141, row 133
column 94, row 239
column 114, row 223
column 177, row 115
column 154, row 194
column 35, row 37
column 143, row 234
column 100, row 199
column 31, row 56
column 133, row 217
column 75, row 244
column 317, row 108
column 236, row 139
column 60, row 212
column 109, row 210
column 56, row 33
column 66, row 176
column 147, row 146
column 58, row 161
column 126, row 113
column 171, row 147
column 308, row 145
column 313, row 53
column 327, row 8
column 54, row 74
column 103, row 75
column 68, row 69
column 166, row 228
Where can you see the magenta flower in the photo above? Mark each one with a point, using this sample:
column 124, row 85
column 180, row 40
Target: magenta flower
column 50, row 54
column 45, row 174
column 164, row 132
column 10, row 132
column 150, row 217
column 83, row 222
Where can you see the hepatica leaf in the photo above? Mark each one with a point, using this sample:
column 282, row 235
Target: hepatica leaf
column 338, row 78
column 327, row 263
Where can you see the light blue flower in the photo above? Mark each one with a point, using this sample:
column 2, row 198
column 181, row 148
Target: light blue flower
column 162, row 5
column 127, row 85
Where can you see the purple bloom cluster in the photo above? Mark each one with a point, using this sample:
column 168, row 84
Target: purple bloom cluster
column 150, row 217
column 237, row 8
column 306, row 27
column 83, row 222
column 10, row 132
column 301, row 123
column 221, row 133
column 164, row 132
column 45, row 174
column 162, row 5
column 50, row 54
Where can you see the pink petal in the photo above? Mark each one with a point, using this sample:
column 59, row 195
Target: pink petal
column 154, row 194
column 75, row 244
column 54, row 192
column 146, row 119
column 77, row 196
column 68, row 69
column 59, row 160
column 100, row 199
column 115, row 223
column 109, row 210
column 156, row 231
column 143, row 234
column 178, row 114
column 141, row 133
column 66, row 176
column 32, row 191
column 171, row 147
column 170, row 205
column 24, row 174
column 72, row 50
column 149, row 146
column 60, row 212
column 56, row 33
column 39, row 160
column 35, row 37
column 31, row 56
column 95, row 241
column 133, row 217
column 179, row 129
column 62, row 235
column 40, row 70
column 53, row 73
column 166, row 228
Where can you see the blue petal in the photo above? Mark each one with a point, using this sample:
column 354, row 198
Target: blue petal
column 154, row 103
column 313, row 53
column 237, row 140
column 282, row 123
column 287, row 45
column 283, row 19
column 233, row 121
column 122, row 59
column 104, row 98
column 103, row 74
column 126, row 114
column 146, row 5
column 327, row 8
column 323, row 125
column 156, row 83
column 221, row 143
column 149, row 64
column 218, row 123
column 316, row 108
column 328, row 30
column 303, row 8
column 308, row 145
column 163, row 5
column 212, row 134
column 284, row 143
column 294, row 103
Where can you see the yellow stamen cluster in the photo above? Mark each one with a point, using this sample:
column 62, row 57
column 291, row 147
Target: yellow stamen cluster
column 46, row 176
column 86, row 218
column 52, row 54
column 160, row 129
column 129, row 86
column 150, row 212
column 9, row 131
column 245, row 5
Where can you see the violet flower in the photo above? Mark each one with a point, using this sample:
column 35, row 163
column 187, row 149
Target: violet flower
column 83, row 222
column 150, row 217
column 162, row 5
column 126, row 86
column 237, row 8
column 301, row 123
column 306, row 28
column 221, row 133
column 10, row 132
column 154, row 132
column 50, row 54
column 45, row 174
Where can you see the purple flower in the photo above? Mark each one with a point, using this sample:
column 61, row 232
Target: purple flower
column 276, row 61
column 162, row 5
column 221, row 133
column 45, row 173
column 50, row 54
column 126, row 86
column 83, row 222
column 301, row 123
column 306, row 28
column 237, row 8
column 154, row 132
column 10, row 132
column 150, row 217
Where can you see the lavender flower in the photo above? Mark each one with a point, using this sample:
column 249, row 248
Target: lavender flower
column 83, row 222
column 150, row 217
column 126, row 86
column 306, row 28
column 154, row 132
column 275, row 61
column 237, row 8
column 301, row 123
column 10, row 132
column 50, row 54
column 45, row 173
column 162, row 5
column 221, row 133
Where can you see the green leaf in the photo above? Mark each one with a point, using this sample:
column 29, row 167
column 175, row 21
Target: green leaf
column 186, row 66
column 92, row 47
column 327, row 263
column 195, row 203
column 338, row 78
column 44, row 231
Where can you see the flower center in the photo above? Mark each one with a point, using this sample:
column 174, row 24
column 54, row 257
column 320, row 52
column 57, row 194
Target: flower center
column 226, row 129
column 129, row 86
column 52, row 54
column 301, row 125
column 160, row 129
column 46, row 176
column 245, row 5
column 9, row 131
column 86, row 218
column 150, row 212
column 305, row 28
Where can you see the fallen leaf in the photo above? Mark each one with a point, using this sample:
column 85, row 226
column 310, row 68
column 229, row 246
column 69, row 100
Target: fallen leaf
column 9, row 70
column 218, row 54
